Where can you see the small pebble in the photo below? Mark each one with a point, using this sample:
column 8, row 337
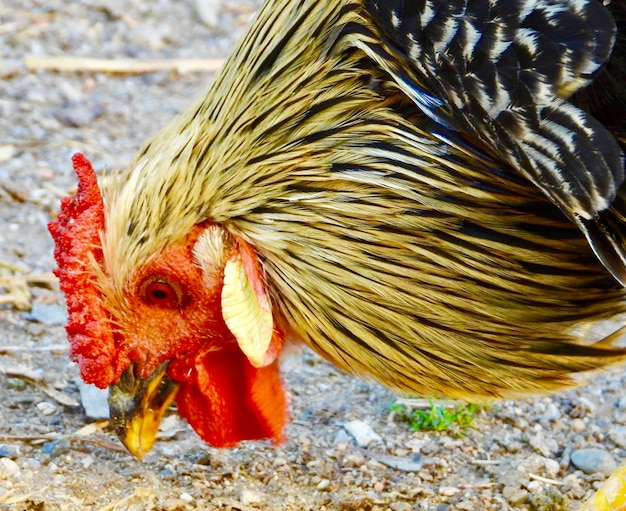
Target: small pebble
column 578, row 425
column 70, row 92
column 87, row 461
column 378, row 487
column 621, row 403
column 279, row 461
column 414, row 463
column 450, row 443
column 552, row 413
column 513, row 446
column 169, row 426
column 374, row 464
column 591, row 461
column 362, row 433
column 430, row 448
column 56, row 447
column 185, row 497
column 249, row 497
column 8, row 468
column 323, row 485
column 425, row 475
column 168, row 472
column 586, row 404
column 48, row 314
column 509, row 490
column 565, row 460
column 400, row 506
column 352, row 461
column 618, row 436
column 448, row 491
column 552, row 466
column 544, row 446
column 342, row 438
column 46, row 408
column 518, row 498
column 94, row 400
column 534, row 464
column 10, row 450
column 7, row 152
column 572, row 480
column 32, row 464
column 534, row 486
column 208, row 11
column 550, row 498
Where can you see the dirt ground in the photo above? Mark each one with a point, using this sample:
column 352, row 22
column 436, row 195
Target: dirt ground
column 517, row 457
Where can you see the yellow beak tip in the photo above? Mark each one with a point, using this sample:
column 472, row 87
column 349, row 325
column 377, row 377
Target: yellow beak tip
column 137, row 407
column 138, row 438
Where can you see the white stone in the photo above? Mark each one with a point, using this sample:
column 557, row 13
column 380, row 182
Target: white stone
column 362, row 433
column 8, row 468
column 46, row 408
column 249, row 497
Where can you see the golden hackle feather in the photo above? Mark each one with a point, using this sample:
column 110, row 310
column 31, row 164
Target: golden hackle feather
column 395, row 247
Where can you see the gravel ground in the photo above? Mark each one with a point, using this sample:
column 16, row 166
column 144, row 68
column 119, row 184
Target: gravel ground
column 53, row 457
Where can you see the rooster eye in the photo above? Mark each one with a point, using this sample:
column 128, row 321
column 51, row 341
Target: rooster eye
column 161, row 294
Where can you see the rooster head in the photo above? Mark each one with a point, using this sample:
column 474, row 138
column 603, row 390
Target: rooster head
column 193, row 323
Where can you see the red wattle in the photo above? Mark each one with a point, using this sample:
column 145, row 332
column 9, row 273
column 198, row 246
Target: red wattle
column 227, row 400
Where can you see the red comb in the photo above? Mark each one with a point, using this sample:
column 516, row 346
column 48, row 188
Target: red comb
column 76, row 235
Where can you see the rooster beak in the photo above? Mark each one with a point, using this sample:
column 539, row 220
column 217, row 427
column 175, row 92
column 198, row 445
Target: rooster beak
column 137, row 406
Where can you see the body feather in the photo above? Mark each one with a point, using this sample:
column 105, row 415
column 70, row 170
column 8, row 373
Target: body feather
column 395, row 241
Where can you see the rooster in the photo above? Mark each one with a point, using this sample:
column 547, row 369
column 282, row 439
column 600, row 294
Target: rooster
column 426, row 193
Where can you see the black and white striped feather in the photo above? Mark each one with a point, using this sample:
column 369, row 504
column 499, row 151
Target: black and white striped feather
column 502, row 73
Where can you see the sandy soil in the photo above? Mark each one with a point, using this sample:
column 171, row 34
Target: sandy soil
column 517, row 457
